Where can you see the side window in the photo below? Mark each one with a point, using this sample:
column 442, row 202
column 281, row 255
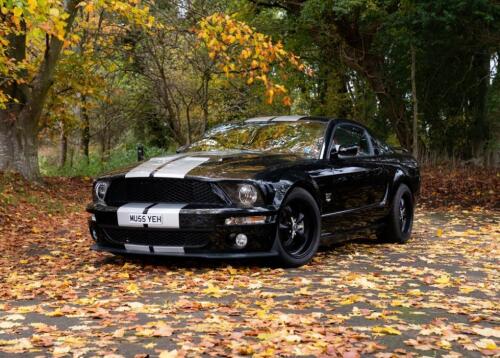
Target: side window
column 349, row 136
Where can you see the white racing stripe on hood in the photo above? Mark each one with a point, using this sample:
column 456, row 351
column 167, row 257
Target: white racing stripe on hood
column 179, row 168
column 145, row 169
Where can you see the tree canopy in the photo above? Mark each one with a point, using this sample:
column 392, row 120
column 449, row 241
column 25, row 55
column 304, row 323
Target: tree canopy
column 91, row 76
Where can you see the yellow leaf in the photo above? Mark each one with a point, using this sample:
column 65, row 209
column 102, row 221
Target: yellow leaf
column 168, row 354
column 54, row 12
column 386, row 330
column 467, row 289
column 213, row 291
column 56, row 313
column 443, row 280
column 439, row 232
column 444, row 344
column 133, row 288
column 351, row 299
column 124, row 275
column 486, row 343
column 17, row 11
column 32, row 4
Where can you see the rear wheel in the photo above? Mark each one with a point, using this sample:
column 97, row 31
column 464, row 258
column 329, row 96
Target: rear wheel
column 399, row 223
column 299, row 227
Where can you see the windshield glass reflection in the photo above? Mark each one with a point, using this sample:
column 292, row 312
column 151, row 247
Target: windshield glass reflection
column 302, row 138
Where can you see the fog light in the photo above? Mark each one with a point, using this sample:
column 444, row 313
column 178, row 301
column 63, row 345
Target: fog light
column 241, row 240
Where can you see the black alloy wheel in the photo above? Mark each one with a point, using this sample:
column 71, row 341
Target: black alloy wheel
column 298, row 228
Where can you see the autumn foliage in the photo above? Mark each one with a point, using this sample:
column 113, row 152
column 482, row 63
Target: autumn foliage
column 239, row 50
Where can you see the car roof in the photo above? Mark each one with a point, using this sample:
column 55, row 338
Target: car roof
column 292, row 118
column 295, row 118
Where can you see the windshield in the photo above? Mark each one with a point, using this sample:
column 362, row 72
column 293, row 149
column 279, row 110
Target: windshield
column 302, row 138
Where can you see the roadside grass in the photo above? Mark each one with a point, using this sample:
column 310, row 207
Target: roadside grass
column 95, row 166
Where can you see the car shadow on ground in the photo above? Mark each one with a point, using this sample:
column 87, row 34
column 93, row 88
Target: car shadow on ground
column 174, row 262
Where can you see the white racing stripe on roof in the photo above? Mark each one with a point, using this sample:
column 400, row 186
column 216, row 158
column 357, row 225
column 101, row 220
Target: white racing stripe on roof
column 180, row 167
column 260, row 119
column 145, row 169
column 288, row 118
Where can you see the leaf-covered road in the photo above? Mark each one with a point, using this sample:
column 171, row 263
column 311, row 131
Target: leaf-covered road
column 435, row 296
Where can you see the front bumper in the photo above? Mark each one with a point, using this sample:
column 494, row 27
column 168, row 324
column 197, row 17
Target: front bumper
column 201, row 232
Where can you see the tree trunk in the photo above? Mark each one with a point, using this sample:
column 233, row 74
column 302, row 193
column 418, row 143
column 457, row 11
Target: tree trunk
column 6, row 148
column 85, row 143
column 19, row 122
column 64, row 148
column 19, row 144
column 415, row 103
column 480, row 127
column 188, row 122
column 206, row 81
column 370, row 66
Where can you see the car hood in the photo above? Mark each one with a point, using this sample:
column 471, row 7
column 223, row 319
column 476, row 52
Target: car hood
column 215, row 165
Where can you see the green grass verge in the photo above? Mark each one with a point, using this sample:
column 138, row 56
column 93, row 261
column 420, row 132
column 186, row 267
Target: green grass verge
column 119, row 157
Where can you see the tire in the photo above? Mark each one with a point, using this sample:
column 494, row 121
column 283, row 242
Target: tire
column 298, row 228
column 399, row 223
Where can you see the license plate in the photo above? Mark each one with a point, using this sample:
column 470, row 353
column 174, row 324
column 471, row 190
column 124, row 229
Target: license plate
column 150, row 219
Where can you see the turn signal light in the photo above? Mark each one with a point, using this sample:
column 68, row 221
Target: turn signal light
column 245, row 220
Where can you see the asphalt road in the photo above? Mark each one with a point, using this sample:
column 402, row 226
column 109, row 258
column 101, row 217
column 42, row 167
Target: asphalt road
column 435, row 296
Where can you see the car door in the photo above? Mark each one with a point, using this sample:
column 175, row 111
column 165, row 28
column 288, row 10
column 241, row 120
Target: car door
column 358, row 182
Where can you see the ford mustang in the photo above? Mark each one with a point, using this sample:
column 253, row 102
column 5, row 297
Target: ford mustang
column 265, row 187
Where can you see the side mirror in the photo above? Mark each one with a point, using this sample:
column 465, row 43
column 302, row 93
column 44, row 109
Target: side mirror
column 339, row 151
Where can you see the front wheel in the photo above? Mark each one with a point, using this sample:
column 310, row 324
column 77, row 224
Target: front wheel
column 399, row 223
column 299, row 228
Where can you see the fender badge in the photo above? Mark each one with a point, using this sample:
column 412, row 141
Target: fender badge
column 328, row 197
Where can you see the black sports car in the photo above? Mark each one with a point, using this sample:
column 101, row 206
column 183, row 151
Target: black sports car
column 270, row 186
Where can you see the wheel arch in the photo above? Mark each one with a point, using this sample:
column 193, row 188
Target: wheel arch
column 308, row 185
column 400, row 177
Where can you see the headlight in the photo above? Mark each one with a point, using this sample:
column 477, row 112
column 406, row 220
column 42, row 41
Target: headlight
column 247, row 194
column 100, row 189
column 243, row 194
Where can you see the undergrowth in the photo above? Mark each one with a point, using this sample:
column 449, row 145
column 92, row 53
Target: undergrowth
column 95, row 166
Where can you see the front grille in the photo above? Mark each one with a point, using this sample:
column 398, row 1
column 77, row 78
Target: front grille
column 165, row 190
column 157, row 237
